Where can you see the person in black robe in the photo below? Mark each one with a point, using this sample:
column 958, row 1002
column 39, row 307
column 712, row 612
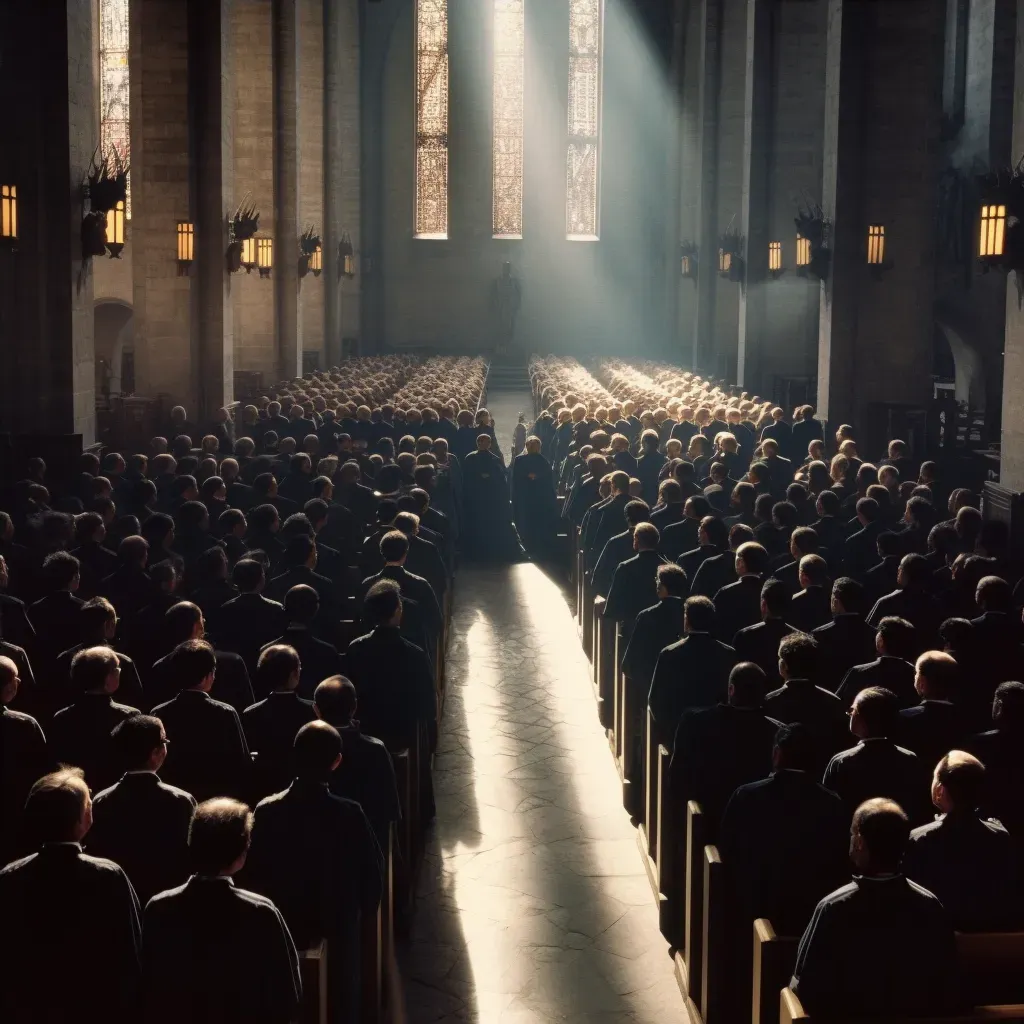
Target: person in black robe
column 212, row 950
column 760, row 643
column 812, row 604
column 738, row 605
column 655, row 629
column 300, row 563
column 971, row 864
column 876, row 766
column 997, row 638
column 424, row 559
column 15, row 626
column 68, row 912
column 802, row 832
column 691, row 673
column 892, row 669
column 392, row 676
column 620, row 547
column 685, row 535
column 140, row 822
column 80, row 733
column 847, row 640
column 882, row 945
column 607, row 520
column 533, row 500
column 250, row 621
column 207, row 755
column 366, row 773
column 489, row 530
column 634, row 584
column 314, row 854
column 55, row 617
column 271, row 725
column 717, row 571
column 936, row 725
column 1001, row 750
column 912, row 602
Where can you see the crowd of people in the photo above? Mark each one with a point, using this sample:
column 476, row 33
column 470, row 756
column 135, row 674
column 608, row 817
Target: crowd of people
column 210, row 652
column 830, row 648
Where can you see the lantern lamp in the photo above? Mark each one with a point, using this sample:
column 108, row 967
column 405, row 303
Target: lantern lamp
column 876, row 245
column 803, row 251
column 992, row 236
column 186, row 237
column 9, row 212
column 316, row 260
column 115, row 230
column 265, row 255
column 775, row 268
column 724, row 261
column 249, row 254
column 346, row 256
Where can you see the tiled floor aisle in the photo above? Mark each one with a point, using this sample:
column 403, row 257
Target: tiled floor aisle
column 534, row 905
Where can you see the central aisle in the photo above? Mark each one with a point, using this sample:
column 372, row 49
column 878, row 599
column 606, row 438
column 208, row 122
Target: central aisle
column 534, row 905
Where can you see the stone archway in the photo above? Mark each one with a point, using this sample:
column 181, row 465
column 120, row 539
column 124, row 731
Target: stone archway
column 113, row 326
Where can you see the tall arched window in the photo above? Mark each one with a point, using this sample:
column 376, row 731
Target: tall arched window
column 114, row 82
column 509, row 53
column 584, row 152
column 431, row 218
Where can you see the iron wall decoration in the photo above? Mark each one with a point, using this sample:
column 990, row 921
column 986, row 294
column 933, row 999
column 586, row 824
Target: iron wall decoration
column 309, row 249
column 1000, row 213
column 813, row 227
column 243, row 228
column 730, row 255
column 106, row 187
column 689, row 261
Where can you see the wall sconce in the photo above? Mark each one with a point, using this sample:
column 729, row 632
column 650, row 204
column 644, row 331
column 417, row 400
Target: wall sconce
column 803, row 251
column 688, row 260
column 813, row 231
column 115, row 230
column 775, row 267
column 877, row 263
column 316, row 261
column 242, row 231
column 310, row 253
column 186, row 236
column 265, row 255
column 248, row 254
column 992, row 236
column 9, row 212
column 730, row 259
column 346, row 257
column 724, row 261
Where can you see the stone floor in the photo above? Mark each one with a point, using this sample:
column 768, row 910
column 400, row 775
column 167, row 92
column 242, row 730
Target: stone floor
column 533, row 902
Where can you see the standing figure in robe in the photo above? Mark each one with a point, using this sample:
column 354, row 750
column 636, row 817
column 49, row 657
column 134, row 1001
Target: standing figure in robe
column 489, row 531
column 533, row 500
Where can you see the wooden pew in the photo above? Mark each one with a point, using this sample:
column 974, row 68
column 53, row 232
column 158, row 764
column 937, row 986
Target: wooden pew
column 714, row 997
column 313, row 970
column 604, row 666
column 619, row 711
column 774, row 959
column 647, row 831
column 667, row 869
column 588, row 615
column 404, row 894
column 791, row 1011
column 371, row 963
column 689, row 905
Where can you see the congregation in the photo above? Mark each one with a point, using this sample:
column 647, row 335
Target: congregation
column 222, row 671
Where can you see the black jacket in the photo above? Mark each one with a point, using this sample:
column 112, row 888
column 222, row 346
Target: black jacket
column 715, row 573
column 57, row 620
column 799, row 700
column 80, row 735
column 932, row 729
column 615, row 552
column 920, row 609
column 760, row 644
column 737, row 606
column 319, row 660
column 810, row 608
column 634, row 587
column 679, row 537
column 270, row 727
column 842, row 643
column 216, row 952
column 367, row 776
column 892, row 674
column 655, row 629
column 231, row 683
column 246, row 624
column 142, row 824
column 860, row 551
column 1001, row 751
column 877, row 767
column 24, row 758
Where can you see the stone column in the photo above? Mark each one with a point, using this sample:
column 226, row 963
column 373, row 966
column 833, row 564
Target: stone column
column 882, row 121
column 161, row 148
column 212, row 84
column 286, row 186
column 49, row 96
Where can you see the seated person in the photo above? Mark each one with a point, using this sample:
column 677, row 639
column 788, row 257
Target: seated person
column 366, row 773
column 1001, row 750
column 59, row 900
column 314, row 854
column 881, row 946
column 969, row 863
column 893, row 669
column 760, row 643
column 212, row 950
column 935, row 726
column 876, row 766
column 847, row 640
column 140, row 822
column 270, row 726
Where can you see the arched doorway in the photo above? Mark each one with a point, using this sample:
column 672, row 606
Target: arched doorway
column 112, row 330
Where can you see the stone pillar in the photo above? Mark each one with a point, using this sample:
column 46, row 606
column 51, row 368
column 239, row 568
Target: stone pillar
column 161, row 147
column 882, row 120
column 49, row 96
column 1011, row 469
column 212, row 82
column 286, row 186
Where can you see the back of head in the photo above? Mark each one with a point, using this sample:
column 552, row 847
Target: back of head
column 747, row 685
column 915, row 571
column 1008, row 707
column 937, row 675
column 316, row 751
column 90, row 669
column 755, row 557
column 880, row 831
column 798, row 655
column 814, row 569
column 805, row 540
column 739, row 534
column 636, row 512
column 775, row 595
column 382, row 602
column 673, row 579
column 878, row 710
column 219, row 835
column 647, row 537
column 897, row 636
column 192, row 662
column 699, row 615
column 278, row 669
column 248, row 575
column 300, row 549
column 135, row 740
column 795, row 749
column 962, row 777
column 394, row 546
column 301, row 604
column 850, row 595
column 994, row 595
column 335, row 700
column 60, row 570
column 95, row 615
column 55, row 808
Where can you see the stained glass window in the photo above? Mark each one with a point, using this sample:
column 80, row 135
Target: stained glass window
column 509, row 53
column 431, row 118
column 582, row 171
column 114, row 82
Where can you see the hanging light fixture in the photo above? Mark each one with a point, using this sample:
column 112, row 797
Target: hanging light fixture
column 876, row 245
column 9, row 212
column 724, row 261
column 775, row 267
column 265, row 255
column 803, row 251
column 186, row 237
column 316, row 261
column 346, row 256
column 992, row 236
column 115, row 230
column 249, row 254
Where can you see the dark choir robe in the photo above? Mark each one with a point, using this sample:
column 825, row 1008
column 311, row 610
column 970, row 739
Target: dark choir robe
column 246, row 624
column 810, row 608
column 57, row 620
column 302, row 575
column 932, row 729
column 648, row 468
column 421, row 617
column 15, row 626
column 691, row 673
column 58, row 691
column 860, row 551
column 663, row 516
column 319, row 660
column 24, row 758
column 691, row 561
column 533, row 502
column 877, row 767
column 737, row 606
column 207, row 755
column 655, row 629
column 877, row 947
column 973, row 867
column 716, row 750
column 715, row 573
column 760, row 644
column 1001, row 751
column 96, row 563
column 616, row 551
column 921, row 610
column 489, row 530
column 892, row 674
column 76, row 915
column 842, row 643
column 230, row 684
column 142, row 824
column 213, row 952
column 799, row 700
column 588, row 528
column 612, row 521
column 395, row 685
column 270, row 727
column 80, row 735
column 367, row 776
column 679, row 537
column 801, row 853
column 634, row 587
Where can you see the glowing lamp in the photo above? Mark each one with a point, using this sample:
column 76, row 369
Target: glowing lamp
column 346, row 256
column 992, row 237
column 186, row 237
column 316, row 261
column 265, row 255
column 115, row 230
column 248, row 254
column 724, row 261
column 774, row 256
column 803, row 251
column 9, row 212
column 876, row 245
